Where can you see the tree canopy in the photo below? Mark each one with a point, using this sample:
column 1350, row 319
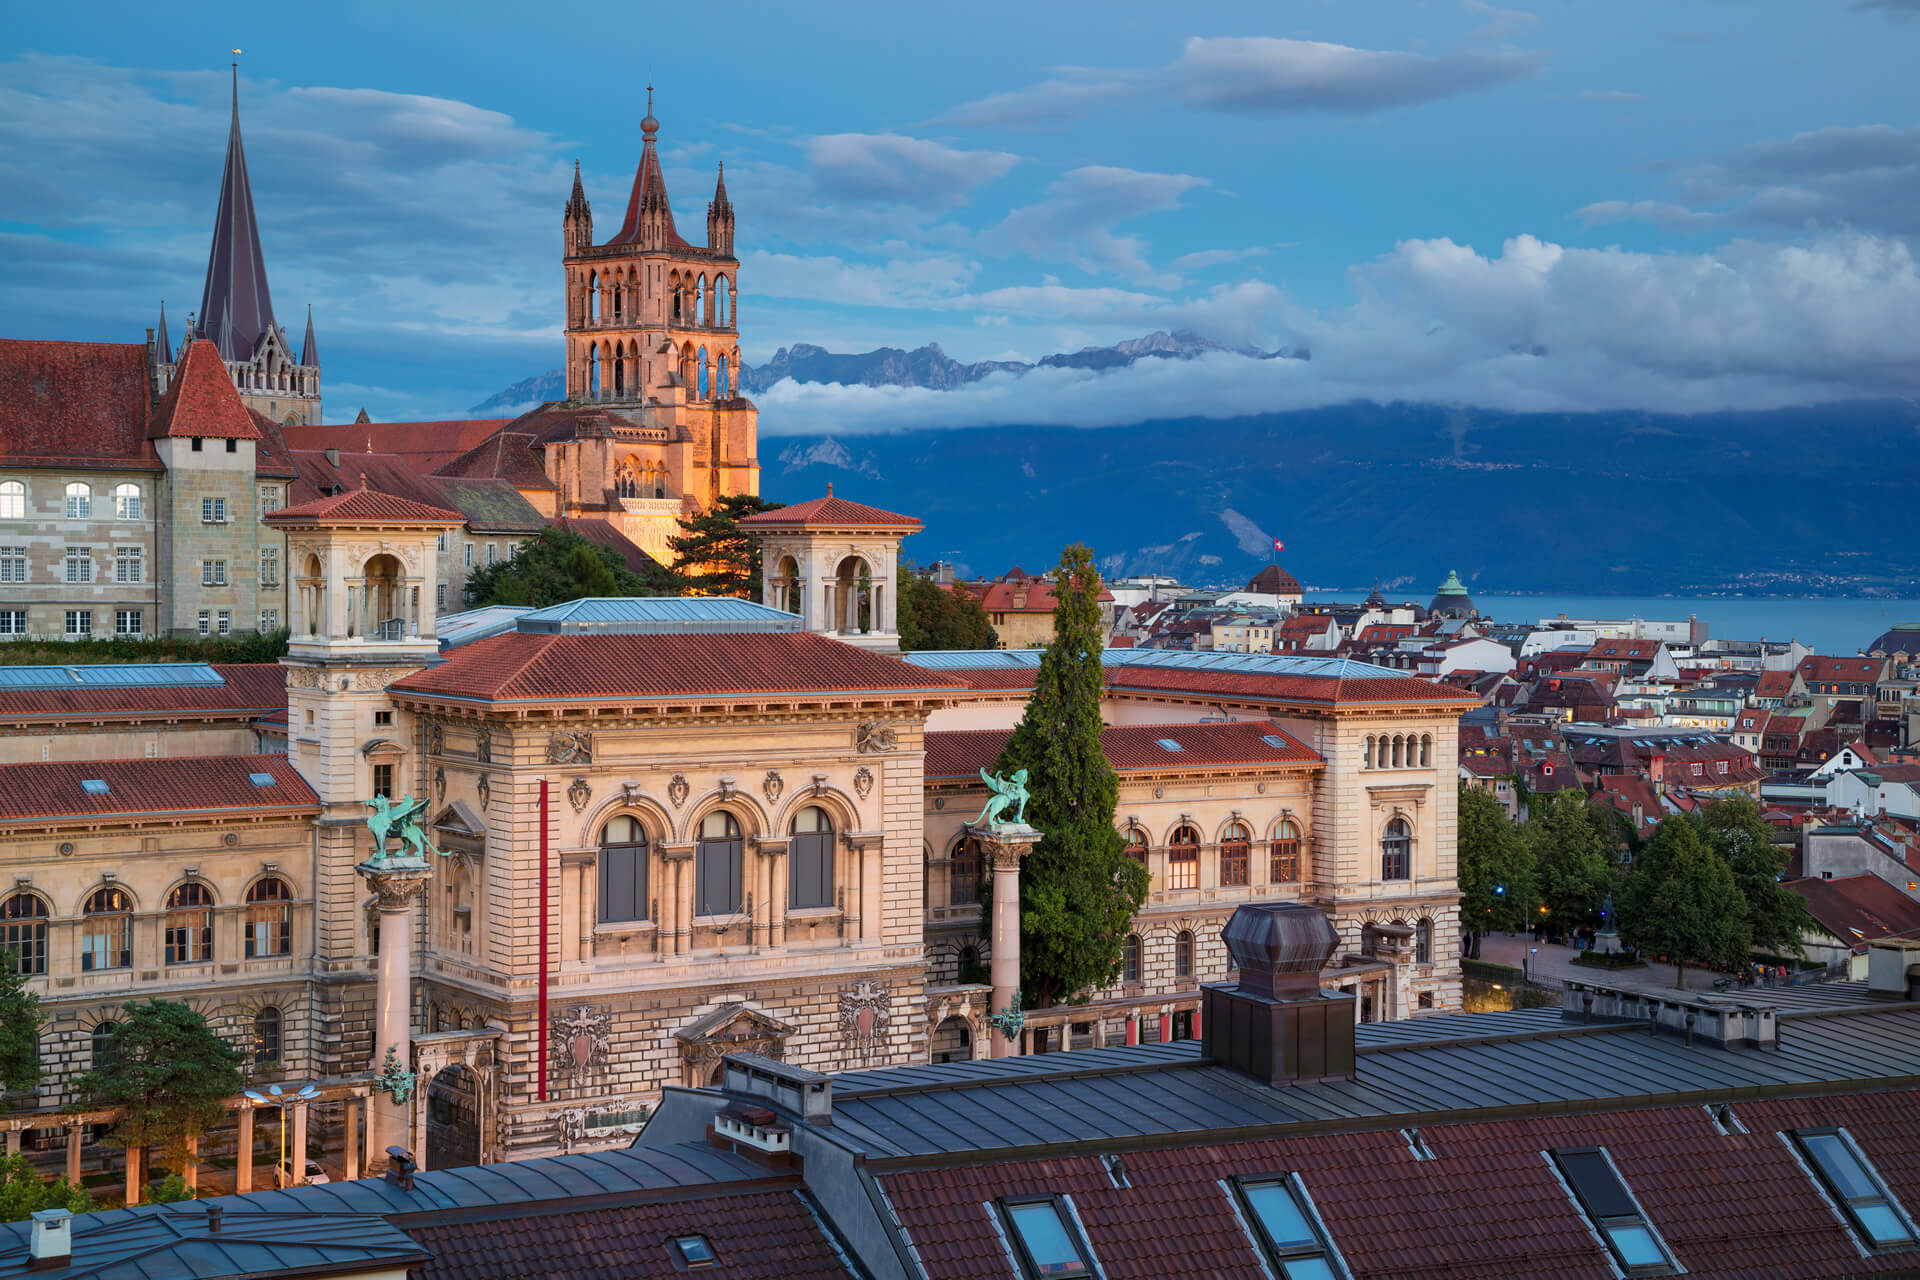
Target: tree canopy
column 1496, row 869
column 19, row 1027
column 1078, row 889
column 1776, row 916
column 933, row 617
column 713, row 556
column 1572, row 847
column 23, row 1192
column 1680, row 901
column 556, row 567
column 170, row 1074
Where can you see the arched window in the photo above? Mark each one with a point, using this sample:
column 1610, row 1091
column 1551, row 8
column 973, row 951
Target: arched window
column 1130, row 959
column 1423, row 941
column 623, row 870
column 1137, row 845
column 717, row 858
column 1396, row 750
column 721, row 307
column 963, row 874
column 593, row 298
column 106, row 935
column 810, row 859
column 13, row 500
column 266, row 1037
column 1396, row 851
column 269, row 919
column 100, row 1044
column 720, row 383
column 23, row 930
column 1183, row 954
column 706, row 389
column 79, row 501
column 1366, row 759
column 625, row 485
column 126, row 502
column 1426, row 750
column 593, row 370
column 1236, row 856
column 190, row 924
column 700, row 313
column 1286, row 853
column 619, row 362
column 1183, row 859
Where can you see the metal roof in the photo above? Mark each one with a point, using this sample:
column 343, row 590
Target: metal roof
column 456, row 629
column 113, row 674
column 1531, row 1061
column 642, row 615
column 1273, row 664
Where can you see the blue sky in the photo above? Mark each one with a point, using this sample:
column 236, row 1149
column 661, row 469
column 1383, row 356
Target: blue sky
column 1570, row 205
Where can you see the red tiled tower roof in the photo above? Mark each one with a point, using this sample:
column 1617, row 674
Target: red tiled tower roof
column 363, row 506
column 202, row 400
column 649, row 191
column 830, row 512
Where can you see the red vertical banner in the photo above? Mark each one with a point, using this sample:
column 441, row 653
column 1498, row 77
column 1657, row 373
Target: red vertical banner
column 541, row 1084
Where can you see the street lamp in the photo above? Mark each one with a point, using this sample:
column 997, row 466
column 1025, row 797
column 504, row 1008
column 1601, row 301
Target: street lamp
column 274, row 1097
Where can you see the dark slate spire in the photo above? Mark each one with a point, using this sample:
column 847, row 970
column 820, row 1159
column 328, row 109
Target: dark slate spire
column 163, row 345
column 577, row 203
column 236, row 311
column 310, row 350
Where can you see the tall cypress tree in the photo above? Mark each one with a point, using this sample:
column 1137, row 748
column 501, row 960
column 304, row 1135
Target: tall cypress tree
column 1078, row 889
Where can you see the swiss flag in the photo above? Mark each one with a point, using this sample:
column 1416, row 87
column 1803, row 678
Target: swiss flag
column 1279, row 545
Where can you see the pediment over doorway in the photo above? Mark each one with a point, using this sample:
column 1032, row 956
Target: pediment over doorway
column 733, row 1028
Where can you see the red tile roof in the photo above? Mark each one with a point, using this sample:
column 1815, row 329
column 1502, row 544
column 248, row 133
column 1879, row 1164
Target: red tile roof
column 1774, row 684
column 1842, row 670
column 74, row 404
column 271, row 457
column 1252, row 686
column 427, row 445
column 363, row 506
column 209, row 785
column 519, row 666
column 962, row 753
column 830, row 512
column 1623, row 651
column 250, row 690
column 1019, row 593
column 201, row 401
column 1858, row 909
column 756, row 1234
column 504, row 455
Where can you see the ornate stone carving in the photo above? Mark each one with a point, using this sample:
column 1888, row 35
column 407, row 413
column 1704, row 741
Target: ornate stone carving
column 630, row 794
column 864, row 1010
column 303, row 678
column 570, row 746
column 231, row 839
column 439, row 785
column 483, row 746
column 578, row 794
column 773, row 786
column 863, row 781
column 582, row 1038
column 819, row 785
column 874, row 736
column 677, row 789
column 66, row 848
column 436, row 738
column 369, row 679
column 485, row 787
column 726, row 789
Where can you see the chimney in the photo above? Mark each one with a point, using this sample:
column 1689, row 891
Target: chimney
column 401, row 1167
column 51, row 1244
column 1278, row 1026
column 1893, row 969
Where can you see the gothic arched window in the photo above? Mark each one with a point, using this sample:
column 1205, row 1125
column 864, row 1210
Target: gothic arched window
column 623, row 870
column 810, row 859
column 717, row 870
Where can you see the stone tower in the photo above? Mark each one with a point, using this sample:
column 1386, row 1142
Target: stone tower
column 836, row 564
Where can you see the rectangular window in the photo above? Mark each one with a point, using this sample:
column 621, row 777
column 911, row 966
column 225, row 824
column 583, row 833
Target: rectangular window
column 13, row 622
column 269, row 498
column 206, row 622
column 126, row 622
column 383, row 780
column 1285, row 1228
column 213, row 511
column 225, row 624
column 1603, row 1195
column 1047, row 1242
column 233, row 446
column 466, row 553
column 129, row 564
column 213, row 573
column 269, row 620
column 198, row 443
column 382, row 719
column 79, row 622
column 269, row 566
column 79, row 564
column 623, row 882
column 492, row 552
column 440, row 596
column 13, row 564
column 1856, row 1187
column 440, row 541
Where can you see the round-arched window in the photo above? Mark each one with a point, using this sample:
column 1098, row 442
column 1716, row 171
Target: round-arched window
column 106, row 932
column 623, row 870
column 717, row 874
column 101, row 1045
column 1137, row 845
column 23, row 930
column 1396, row 851
column 1183, row 858
column 189, row 924
column 1130, row 959
column 1286, row 853
column 810, row 859
column 269, row 918
column 964, row 870
column 1236, row 856
column 1183, row 954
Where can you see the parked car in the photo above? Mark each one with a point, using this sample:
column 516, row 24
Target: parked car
column 315, row 1173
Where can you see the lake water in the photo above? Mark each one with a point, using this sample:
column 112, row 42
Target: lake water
column 1833, row 626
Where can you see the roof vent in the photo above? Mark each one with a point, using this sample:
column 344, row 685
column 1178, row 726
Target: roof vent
column 1893, row 969
column 755, row 1127
column 95, row 786
column 1277, row 1025
column 51, row 1244
column 401, row 1167
column 807, row 1094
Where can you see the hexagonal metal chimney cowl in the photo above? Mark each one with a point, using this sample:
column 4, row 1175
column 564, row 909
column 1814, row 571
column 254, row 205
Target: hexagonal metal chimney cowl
column 1280, row 948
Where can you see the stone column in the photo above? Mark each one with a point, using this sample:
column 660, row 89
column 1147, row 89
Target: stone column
column 243, row 1155
column 677, row 860
column 1003, row 846
column 351, row 1125
column 397, row 884
column 74, row 1132
column 297, row 1153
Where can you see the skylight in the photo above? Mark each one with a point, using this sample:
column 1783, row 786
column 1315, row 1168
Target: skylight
column 1852, row 1182
column 1598, row 1189
column 1047, row 1243
column 1273, row 740
column 1168, row 744
column 694, row 1253
column 1286, row 1230
column 95, row 786
column 260, row 779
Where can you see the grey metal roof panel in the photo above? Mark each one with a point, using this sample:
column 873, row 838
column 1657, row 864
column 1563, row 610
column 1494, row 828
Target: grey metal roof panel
column 657, row 614
column 1179, row 659
column 110, row 675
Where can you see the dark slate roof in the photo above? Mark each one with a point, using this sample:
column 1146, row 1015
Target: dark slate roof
column 236, row 311
column 173, row 1241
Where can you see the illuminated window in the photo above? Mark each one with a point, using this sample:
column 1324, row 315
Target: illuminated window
column 189, row 924
column 1236, row 855
column 1286, row 853
column 1046, row 1241
column 1183, row 859
column 269, row 919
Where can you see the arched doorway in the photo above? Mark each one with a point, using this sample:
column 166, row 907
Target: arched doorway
column 952, row 1041
column 453, row 1118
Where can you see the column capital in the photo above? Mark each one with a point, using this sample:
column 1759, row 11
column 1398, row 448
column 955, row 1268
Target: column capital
column 395, row 883
column 1002, row 845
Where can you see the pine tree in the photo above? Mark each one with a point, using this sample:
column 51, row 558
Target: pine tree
column 1078, row 889
column 170, row 1077
column 19, row 1027
column 1776, row 915
column 1681, row 902
column 713, row 556
column 1496, row 869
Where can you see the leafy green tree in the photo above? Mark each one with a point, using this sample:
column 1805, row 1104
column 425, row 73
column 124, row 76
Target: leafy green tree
column 556, row 567
column 1573, row 859
column 171, row 1190
column 932, row 617
column 24, row 1192
column 1681, row 902
column 1496, row 869
column 1078, row 889
column 1776, row 915
column 19, row 1027
column 713, row 556
column 170, row 1076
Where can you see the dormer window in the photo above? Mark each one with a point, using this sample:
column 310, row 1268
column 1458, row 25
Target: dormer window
column 1603, row 1196
column 1286, row 1228
column 1855, row 1186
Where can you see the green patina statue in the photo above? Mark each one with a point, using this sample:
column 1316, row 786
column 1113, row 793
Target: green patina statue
column 1008, row 793
column 392, row 818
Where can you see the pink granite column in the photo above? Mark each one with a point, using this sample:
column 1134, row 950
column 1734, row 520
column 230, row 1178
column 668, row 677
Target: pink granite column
column 1003, row 847
column 396, row 884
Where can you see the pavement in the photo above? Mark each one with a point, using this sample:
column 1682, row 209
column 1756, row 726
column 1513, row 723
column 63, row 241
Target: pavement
column 1551, row 965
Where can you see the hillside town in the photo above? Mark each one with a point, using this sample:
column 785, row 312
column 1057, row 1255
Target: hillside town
column 523, row 847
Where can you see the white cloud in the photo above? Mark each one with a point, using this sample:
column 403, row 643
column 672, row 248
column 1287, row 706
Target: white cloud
column 1214, row 257
column 896, row 169
column 1074, row 222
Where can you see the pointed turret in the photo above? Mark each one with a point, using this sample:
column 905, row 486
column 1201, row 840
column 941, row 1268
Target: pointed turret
column 162, row 344
column 649, row 221
column 577, row 221
column 236, row 311
column 309, row 349
column 720, row 216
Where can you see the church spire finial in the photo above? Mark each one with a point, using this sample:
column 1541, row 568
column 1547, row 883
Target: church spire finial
column 648, row 125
